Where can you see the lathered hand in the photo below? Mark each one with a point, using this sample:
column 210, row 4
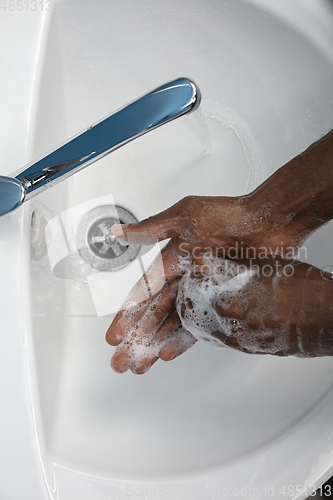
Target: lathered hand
column 147, row 329
column 264, row 306
column 276, row 217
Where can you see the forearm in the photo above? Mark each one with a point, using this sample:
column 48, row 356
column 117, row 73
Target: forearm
column 299, row 196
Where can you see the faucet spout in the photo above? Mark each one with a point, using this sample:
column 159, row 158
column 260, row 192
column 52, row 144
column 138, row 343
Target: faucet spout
column 160, row 106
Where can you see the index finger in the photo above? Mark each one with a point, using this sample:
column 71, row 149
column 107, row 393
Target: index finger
column 170, row 223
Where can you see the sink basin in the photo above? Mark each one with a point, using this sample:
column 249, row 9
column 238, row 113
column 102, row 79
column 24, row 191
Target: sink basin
column 214, row 422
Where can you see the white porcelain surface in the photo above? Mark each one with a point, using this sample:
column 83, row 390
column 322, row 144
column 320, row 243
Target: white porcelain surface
column 213, row 423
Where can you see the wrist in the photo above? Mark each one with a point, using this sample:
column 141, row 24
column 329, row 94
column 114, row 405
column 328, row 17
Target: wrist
column 297, row 198
column 272, row 228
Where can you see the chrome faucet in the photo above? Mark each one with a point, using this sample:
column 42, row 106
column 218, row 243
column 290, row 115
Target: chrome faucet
column 160, row 106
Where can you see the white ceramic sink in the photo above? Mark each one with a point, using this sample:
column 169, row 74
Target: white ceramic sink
column 213, row 423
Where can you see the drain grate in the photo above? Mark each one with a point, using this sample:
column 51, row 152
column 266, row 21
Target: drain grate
column 96, row 243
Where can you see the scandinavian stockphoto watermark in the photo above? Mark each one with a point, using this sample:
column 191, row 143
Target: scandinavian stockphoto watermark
column 267, row 491
column 239, row 251
column 25, row 5
column 219, row 261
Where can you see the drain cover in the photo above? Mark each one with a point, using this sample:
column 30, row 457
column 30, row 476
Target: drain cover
column 96, row 242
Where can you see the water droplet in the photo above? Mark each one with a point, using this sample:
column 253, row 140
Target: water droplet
column 327, row 273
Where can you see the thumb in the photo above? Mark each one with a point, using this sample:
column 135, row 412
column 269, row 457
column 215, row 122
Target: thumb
column 170, row 223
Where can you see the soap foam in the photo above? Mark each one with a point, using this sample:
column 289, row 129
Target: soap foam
column 201, row 319
column 196, row 303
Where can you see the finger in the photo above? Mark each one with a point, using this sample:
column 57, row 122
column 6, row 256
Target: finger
column 139, row 356
column 131, row 311
column 170, row 326
column 123, row 322
column 141, row 343
column 229, row 341
column 170, row 223
column 178, row 343
column 138, row 350
column 134, row 354
column 143, row 365
column 138, row 302
column 120, row 361
column 159, row 309
column 152, row 344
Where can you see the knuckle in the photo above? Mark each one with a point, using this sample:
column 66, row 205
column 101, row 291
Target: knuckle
column 189, row 202
column 235, row 310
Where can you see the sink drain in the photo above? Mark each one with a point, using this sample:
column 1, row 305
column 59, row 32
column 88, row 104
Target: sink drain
column 96, row 243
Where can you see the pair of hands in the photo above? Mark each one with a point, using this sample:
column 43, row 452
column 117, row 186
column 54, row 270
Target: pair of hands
column 272, row 312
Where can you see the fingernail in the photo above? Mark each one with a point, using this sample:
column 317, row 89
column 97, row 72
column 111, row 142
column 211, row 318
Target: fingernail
column 117, row 231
